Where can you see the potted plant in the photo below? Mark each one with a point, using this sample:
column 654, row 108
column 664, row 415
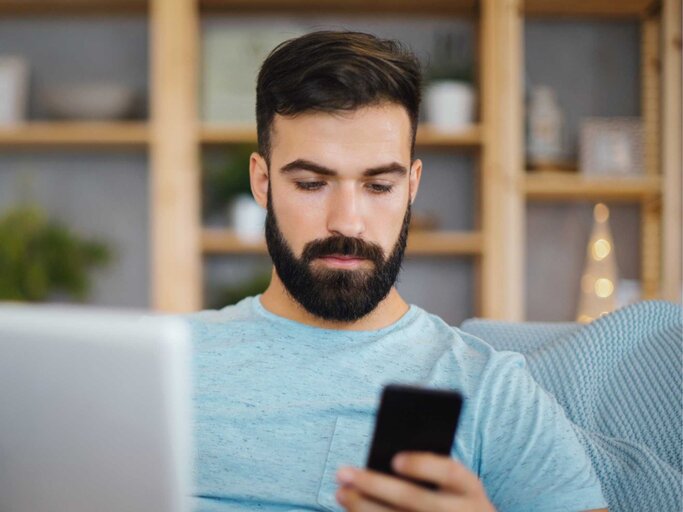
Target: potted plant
column 41, row 258
column 449, row 93
column 226, row 186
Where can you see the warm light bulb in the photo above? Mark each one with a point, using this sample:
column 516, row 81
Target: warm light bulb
column 601, row 212
column 600, row 249
column 585, row 319
column 603, row 287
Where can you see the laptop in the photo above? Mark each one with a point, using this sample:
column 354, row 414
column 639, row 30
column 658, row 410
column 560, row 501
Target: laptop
column 94, row 411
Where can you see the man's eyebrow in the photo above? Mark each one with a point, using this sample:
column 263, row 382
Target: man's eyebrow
column 392, row 168
column 306, row 165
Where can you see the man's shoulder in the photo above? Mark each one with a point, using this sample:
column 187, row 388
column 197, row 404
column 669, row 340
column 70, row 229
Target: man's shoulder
column 241, row 310
column 218, row 323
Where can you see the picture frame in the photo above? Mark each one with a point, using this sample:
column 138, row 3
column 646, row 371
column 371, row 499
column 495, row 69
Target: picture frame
column 611, row 147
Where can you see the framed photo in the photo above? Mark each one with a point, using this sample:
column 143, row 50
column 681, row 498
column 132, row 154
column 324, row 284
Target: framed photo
column 611, row 146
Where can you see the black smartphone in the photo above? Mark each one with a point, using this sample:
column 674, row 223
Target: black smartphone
column 413, row 419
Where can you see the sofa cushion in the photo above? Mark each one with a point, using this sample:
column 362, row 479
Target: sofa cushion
column 619, row 380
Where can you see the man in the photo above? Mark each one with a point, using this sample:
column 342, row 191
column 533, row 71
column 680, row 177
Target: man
column 288, row 382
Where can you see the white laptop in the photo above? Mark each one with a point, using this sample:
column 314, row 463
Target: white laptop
column 94, row 411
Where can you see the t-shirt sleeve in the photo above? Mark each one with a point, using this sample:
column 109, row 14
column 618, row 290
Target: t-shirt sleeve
column 530, row 458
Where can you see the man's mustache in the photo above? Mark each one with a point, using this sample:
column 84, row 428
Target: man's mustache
column 342, row 245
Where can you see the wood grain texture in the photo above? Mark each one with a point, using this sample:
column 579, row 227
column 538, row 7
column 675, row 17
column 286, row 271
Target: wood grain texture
column 671, row 151
column 502, row 216
column 175, row 170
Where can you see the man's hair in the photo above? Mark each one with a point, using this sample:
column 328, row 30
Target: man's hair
column 330, row 71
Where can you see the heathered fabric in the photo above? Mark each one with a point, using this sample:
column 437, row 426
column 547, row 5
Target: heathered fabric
column 280, row 405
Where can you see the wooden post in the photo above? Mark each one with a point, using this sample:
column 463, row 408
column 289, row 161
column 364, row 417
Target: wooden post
column 502, row 160
column 174, row 180
column 650, row 216
column 671, row 150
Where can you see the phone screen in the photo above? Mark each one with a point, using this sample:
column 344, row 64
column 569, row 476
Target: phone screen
column 413, row 419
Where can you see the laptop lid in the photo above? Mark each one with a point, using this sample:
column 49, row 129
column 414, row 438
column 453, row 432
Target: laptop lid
column 94, row 411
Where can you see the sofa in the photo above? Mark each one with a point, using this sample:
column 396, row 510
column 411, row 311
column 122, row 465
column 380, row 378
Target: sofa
column 620, row 382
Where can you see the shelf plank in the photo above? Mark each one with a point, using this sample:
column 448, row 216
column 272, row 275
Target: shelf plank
column 572, row 187
column 74, row 134
column 427, row 136
column 52, row 7
column 420, row 243
column 424, row 7
column 590, row 8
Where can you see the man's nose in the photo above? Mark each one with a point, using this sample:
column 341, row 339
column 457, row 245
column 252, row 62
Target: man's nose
column 345, row 215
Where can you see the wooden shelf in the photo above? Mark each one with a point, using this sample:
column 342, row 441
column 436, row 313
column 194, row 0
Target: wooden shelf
column 51, row 7
column 424, row 7
column 583, row 8
column 420, row 243
column 571, row 187
column 591, row 8
column 74, row 134
column 426, row 136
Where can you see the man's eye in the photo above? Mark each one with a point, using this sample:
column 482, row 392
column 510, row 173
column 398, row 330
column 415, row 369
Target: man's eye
column 309, row 185
column 378, row 188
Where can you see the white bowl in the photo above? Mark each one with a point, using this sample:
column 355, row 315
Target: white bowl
column 94, row 101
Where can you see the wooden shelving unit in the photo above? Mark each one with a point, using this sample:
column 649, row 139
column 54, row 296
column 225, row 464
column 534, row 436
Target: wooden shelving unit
column 74, row 134
column 427, row 136
column 404, row 7
column 69, row 7
column 591, row 8
column 421, row 243
column 174, row 137
column 572, row 187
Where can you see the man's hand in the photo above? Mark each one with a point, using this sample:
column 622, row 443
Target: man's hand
column 458, row 488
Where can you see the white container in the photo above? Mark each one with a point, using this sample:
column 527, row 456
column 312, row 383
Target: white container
column 449, row 105
column 248, row 219
column 545, row 128
column 13, row 90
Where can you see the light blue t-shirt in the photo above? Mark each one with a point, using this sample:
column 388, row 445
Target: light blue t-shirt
column 280, row 405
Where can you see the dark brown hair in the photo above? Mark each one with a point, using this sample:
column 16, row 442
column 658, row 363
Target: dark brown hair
column 330, row 71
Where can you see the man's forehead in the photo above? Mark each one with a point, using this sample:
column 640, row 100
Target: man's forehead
column 383, row 129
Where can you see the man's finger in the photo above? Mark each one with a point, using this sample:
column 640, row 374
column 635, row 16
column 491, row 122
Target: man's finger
column 445, row 472
column 353, row 501
column 391, row 490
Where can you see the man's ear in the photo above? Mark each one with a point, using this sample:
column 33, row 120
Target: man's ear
column 414, row 179
column 258, row 177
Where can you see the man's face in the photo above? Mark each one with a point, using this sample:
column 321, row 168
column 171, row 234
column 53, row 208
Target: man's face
column 338, row 193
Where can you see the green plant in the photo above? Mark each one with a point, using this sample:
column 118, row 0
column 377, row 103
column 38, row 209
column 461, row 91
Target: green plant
column 450, row 59
column 40, row 257
column 226, row 178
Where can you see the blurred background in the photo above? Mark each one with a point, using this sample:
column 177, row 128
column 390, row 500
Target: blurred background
column 550, row 135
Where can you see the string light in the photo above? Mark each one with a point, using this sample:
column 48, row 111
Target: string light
column 601, row 248
column 604, row 287
column 598, row 282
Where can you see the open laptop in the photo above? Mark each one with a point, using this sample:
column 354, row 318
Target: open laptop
column 94, row 411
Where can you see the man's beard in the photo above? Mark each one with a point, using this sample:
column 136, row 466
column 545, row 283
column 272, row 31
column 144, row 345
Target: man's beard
column 335, row 294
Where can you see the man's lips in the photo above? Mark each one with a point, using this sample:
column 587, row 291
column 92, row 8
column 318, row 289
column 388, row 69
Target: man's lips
column 342, row 260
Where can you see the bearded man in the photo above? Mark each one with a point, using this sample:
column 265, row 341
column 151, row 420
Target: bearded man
column 287, row 382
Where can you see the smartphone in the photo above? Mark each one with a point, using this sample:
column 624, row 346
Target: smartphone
column 413, row 419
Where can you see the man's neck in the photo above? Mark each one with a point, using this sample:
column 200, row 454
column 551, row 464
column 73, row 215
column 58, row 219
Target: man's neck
column 278, row 301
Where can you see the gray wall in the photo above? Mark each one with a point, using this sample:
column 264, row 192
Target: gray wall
column 593, row 66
